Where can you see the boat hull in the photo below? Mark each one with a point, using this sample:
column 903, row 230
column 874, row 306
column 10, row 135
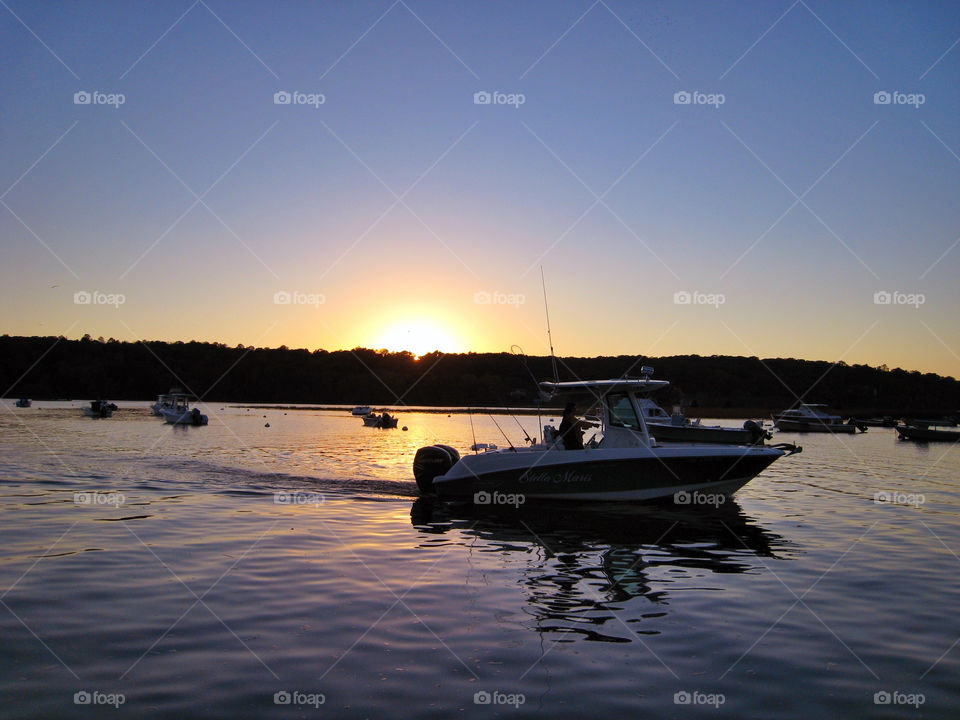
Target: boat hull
column 701, row 434
column 926, row 434
column 597, row 474
column 814, row 426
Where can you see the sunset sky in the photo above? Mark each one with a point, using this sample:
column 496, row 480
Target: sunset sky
column 748, row 178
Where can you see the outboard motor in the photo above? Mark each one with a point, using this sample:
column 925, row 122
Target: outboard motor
column 757, row 432
column 430, row 462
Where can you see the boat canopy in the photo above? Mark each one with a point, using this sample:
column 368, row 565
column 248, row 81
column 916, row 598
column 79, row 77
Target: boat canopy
column 602, row 387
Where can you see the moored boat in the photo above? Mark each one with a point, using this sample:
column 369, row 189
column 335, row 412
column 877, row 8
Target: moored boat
column 809, row 417
column 623, row 461
column 180, row 412
column 361, row 410
column 679, row 428
column 24, row 403
column 99, row 409
column 384, row 421
column 923, row 433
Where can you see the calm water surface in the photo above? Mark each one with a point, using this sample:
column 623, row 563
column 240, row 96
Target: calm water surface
column 218, row 570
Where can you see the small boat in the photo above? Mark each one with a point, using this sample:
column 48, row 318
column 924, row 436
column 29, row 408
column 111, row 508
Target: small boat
column 810, row 417
column 24, row 403
column 885, row 421
column 180, row 413
column 922, row 432
column 385, row 421
column 163, row 401
column 99, row 409
column 679, row 428
column 361, row 410
column 627, row 463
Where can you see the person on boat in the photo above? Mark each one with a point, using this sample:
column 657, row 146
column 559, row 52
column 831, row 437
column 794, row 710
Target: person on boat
column 571, row 428
column 385, row 419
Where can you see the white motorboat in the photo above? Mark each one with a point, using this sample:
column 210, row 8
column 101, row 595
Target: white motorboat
column 809, row 417
column 163, row 401
column 622, row 461
column 679, row 428
column 361, row 410
column 180, row 413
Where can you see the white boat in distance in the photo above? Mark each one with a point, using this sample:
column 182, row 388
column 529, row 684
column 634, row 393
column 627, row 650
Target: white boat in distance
column 623, row 461
column 810, row 417
column 180, row 413
column 361, row 410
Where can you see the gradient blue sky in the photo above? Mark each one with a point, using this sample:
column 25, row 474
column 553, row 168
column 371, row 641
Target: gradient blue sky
column 623, row 196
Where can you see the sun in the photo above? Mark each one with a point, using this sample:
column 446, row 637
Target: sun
column 418, row 338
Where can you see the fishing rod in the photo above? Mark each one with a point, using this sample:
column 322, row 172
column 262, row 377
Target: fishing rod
column 502, row 432
column 546, row 308
column 536, row 386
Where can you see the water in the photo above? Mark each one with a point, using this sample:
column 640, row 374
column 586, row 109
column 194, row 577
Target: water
column 198, row 594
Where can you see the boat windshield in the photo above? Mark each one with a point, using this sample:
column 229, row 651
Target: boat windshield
column 622, row 413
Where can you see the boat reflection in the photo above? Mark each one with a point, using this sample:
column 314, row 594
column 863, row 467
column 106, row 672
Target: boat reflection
column 606, row 573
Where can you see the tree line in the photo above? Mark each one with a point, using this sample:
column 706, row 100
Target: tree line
column 59, row 368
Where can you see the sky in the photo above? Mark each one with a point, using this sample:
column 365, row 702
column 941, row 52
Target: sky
column 735, row 178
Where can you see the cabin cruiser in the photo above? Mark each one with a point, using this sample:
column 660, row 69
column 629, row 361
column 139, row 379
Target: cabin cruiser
column 813, row 418
column 622, row 461
column 679, row 428
column 99, row 409
column 180, row 413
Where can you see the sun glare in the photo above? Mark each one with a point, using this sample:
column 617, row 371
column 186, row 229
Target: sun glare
column 417, row 338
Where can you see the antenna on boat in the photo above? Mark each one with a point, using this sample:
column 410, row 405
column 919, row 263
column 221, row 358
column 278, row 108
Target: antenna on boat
column 546, row 308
